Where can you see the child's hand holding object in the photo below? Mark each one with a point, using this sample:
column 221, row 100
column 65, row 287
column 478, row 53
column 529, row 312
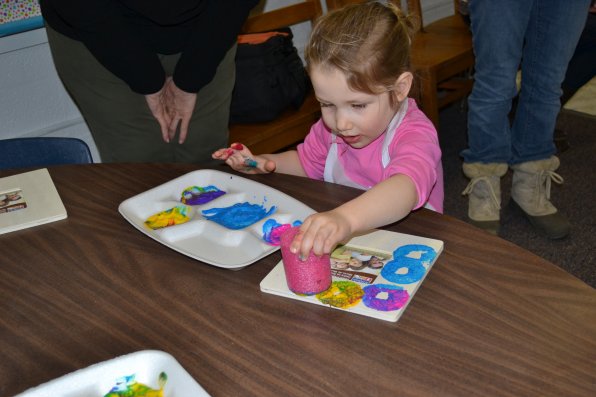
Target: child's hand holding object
column 241, row 159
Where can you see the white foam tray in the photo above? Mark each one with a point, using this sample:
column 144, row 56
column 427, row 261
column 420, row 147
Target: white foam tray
column 205, row 240
column 98, row 379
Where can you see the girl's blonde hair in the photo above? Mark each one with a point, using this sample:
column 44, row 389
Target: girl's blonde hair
column 369, row 43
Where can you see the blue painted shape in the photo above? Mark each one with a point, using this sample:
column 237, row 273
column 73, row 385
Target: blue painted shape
column 272, row 230
column 414, row 266
column 428, row 254
column 239, row 215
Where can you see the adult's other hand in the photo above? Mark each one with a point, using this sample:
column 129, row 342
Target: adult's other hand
column 158, row 105
column 180, row 106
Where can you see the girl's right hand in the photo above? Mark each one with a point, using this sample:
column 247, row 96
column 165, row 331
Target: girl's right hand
column 241, row 159
column 320, row 233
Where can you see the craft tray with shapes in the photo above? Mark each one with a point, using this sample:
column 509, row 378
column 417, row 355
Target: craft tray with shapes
column 206, row 240
column 98, row 379
column 382, row 292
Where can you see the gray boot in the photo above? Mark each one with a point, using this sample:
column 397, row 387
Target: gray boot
column 531, row 192
column 484, row 191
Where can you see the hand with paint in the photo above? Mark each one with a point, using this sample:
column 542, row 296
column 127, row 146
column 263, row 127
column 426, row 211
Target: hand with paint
column 241, row 159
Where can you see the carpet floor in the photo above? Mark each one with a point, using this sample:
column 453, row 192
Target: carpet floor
column 576, row 197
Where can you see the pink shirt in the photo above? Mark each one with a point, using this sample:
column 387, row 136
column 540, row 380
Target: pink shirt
column 414, row 151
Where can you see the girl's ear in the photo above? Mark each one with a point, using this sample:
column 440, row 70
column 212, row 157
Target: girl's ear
column 402, row 86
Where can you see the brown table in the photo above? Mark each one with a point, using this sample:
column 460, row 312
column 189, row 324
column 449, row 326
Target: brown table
column 489, row 319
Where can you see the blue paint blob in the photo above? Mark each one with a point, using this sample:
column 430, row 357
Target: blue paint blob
column 415, row 271
column 250, row 163
column 272, row 230
column 238, row 216
column 414, row 267
column 427, row 253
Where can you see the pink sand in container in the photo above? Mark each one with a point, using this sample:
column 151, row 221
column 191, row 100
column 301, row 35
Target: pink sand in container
column 307, row 277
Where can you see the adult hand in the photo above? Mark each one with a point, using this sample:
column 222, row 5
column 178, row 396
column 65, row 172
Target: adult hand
column 241, row 159
column 158, row 106
column 180, row 106
column 320, row 233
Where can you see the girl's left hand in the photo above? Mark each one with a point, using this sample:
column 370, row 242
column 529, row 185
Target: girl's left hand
column 320, row 233
column 241, row 159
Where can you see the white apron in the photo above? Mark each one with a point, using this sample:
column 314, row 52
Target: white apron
column 334, row 171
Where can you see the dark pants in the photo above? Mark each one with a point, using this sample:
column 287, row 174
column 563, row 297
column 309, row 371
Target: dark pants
column 119, row 119
column 582, row 66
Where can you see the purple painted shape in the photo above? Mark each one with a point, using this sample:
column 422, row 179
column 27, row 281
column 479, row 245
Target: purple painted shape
column 196, row 195
column 397, row 297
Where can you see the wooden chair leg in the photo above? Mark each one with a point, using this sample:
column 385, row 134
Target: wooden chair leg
column 428, row 96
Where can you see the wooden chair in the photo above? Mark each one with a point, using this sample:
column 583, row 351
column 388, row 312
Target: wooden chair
column 442, row 58
column 293, row 125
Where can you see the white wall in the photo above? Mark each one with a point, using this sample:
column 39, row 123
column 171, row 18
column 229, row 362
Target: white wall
column 435, row 9
column 33, row 101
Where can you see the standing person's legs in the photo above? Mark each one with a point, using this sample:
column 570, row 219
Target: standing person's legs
column 498, row 29
column 119, row 119
column 552, row 35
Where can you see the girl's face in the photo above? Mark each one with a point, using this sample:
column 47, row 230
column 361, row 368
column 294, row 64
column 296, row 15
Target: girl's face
column 356, row 117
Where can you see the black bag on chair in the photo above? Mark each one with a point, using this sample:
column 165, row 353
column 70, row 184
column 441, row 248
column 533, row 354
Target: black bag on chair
column 270, row 77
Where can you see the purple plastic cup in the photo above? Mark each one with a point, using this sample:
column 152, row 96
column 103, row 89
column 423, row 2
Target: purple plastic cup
column 307, row 277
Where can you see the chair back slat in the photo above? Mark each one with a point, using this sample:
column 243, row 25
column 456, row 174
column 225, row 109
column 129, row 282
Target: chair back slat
column 414, row 8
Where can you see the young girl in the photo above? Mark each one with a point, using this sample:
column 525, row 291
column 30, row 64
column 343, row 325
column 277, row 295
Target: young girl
column 370, row 136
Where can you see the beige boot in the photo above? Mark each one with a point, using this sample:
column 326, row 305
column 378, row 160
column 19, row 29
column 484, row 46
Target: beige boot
column 484, row 191
column 531, row 192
